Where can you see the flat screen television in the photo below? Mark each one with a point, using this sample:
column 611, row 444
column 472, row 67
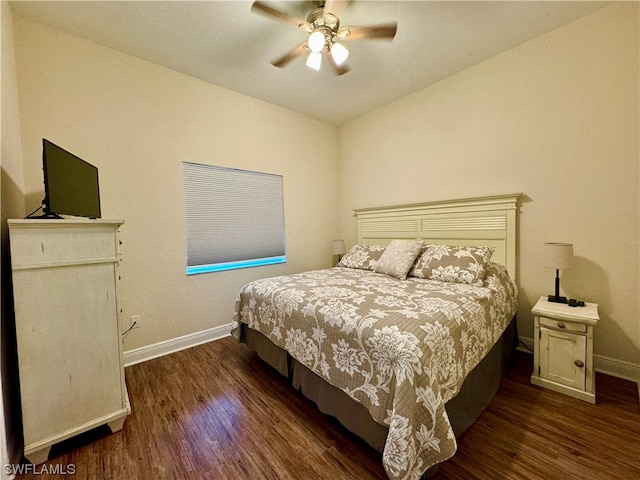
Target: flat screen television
column 70, row 184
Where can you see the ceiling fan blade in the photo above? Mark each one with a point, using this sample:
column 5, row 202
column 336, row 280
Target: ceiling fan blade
column 290, row 55
column 373, row 32
column 264, row 9
column 335, row 7
column 339, row 69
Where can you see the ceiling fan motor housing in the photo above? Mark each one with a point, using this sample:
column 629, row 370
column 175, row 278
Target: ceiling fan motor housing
column 320, row 21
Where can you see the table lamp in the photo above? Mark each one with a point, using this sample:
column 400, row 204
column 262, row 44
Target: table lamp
column 337, row 248
column 560, row 257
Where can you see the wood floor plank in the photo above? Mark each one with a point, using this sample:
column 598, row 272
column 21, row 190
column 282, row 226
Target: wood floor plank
column 216, row 411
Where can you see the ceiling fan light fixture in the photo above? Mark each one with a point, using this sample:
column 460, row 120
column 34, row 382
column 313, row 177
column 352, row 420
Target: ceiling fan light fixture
column 314, row 60
column 339, row 53
column 324, row 32
column 316, row 41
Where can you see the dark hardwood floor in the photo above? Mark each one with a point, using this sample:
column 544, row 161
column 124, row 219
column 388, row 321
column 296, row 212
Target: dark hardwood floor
column 218, row 412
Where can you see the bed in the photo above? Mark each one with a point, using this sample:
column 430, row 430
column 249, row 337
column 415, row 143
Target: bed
column 406, row 340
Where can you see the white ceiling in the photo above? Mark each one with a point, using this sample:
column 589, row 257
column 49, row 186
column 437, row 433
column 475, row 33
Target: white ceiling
column 224, row 43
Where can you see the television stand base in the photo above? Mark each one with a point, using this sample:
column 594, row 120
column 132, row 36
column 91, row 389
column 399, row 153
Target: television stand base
column 47, row 216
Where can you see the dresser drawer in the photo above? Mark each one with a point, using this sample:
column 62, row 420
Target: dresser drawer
column 35, row 246
column 563, row 325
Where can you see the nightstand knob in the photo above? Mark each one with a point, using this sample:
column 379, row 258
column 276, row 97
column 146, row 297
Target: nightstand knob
column 561, row 325
column 579, row 363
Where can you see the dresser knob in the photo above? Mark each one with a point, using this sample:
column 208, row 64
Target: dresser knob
column 561, row 325
column 579, row 363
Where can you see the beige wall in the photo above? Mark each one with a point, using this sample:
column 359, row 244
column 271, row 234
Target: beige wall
column 13, row 203
column 137, row 121
column 555, row 118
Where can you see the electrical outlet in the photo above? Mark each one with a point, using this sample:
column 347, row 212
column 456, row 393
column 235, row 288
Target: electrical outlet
column 134, row 321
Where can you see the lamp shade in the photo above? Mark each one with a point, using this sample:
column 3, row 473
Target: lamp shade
column 558, row 255
column 339, row 53
column 314, row 60
column 316, row 41
column 337, row 247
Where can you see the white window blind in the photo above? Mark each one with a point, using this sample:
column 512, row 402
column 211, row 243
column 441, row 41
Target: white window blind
column 233, row 218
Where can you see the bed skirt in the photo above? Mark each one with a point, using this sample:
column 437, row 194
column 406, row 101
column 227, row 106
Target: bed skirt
column 476, row 392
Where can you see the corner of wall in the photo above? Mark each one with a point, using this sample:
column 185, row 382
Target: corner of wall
column 12, row 205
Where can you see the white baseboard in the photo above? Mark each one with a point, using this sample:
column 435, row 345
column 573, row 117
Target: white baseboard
column 528, row 342
column 601, row 363
column 148, row 352
column 617, row 368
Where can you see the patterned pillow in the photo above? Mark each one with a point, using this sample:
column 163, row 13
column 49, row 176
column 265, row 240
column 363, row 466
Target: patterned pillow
column 496, row 274
column 363, row 257
column 453, row 264
column 398, row 258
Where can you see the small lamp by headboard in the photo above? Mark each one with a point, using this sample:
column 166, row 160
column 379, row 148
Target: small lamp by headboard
column 337, row 248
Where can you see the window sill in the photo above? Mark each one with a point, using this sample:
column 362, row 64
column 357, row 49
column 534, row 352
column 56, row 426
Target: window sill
column 222, row 267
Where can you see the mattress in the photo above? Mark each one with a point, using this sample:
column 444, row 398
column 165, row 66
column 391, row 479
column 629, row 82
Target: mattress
column 400, row 348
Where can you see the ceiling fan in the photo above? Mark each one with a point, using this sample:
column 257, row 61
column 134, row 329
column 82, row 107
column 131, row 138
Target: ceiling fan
column 324, row 34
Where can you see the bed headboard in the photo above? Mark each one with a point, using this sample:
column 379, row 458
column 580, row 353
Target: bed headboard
column 473, row 221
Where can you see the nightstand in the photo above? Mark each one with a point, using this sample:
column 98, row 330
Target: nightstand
column 563, row 348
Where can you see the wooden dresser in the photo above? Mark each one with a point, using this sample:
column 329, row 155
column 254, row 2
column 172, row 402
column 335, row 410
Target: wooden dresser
column 65, row 284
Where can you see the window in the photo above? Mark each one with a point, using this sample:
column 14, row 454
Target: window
column 233, row 218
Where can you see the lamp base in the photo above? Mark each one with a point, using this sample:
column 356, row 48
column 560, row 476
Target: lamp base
column 557, row 299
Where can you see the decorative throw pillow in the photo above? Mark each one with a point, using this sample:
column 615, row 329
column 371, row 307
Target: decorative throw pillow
column 453, row 264
column 398, row 258
column 363, row 257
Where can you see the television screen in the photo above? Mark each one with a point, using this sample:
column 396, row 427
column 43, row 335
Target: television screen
column 70, row 183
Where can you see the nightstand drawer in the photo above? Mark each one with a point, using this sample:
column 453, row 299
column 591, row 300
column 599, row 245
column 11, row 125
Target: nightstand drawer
column 563, row 325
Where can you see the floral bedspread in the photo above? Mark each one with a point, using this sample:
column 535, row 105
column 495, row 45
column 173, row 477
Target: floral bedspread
column 402, row 348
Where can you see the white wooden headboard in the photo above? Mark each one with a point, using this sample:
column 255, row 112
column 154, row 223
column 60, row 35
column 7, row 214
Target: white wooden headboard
column 474, row 221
